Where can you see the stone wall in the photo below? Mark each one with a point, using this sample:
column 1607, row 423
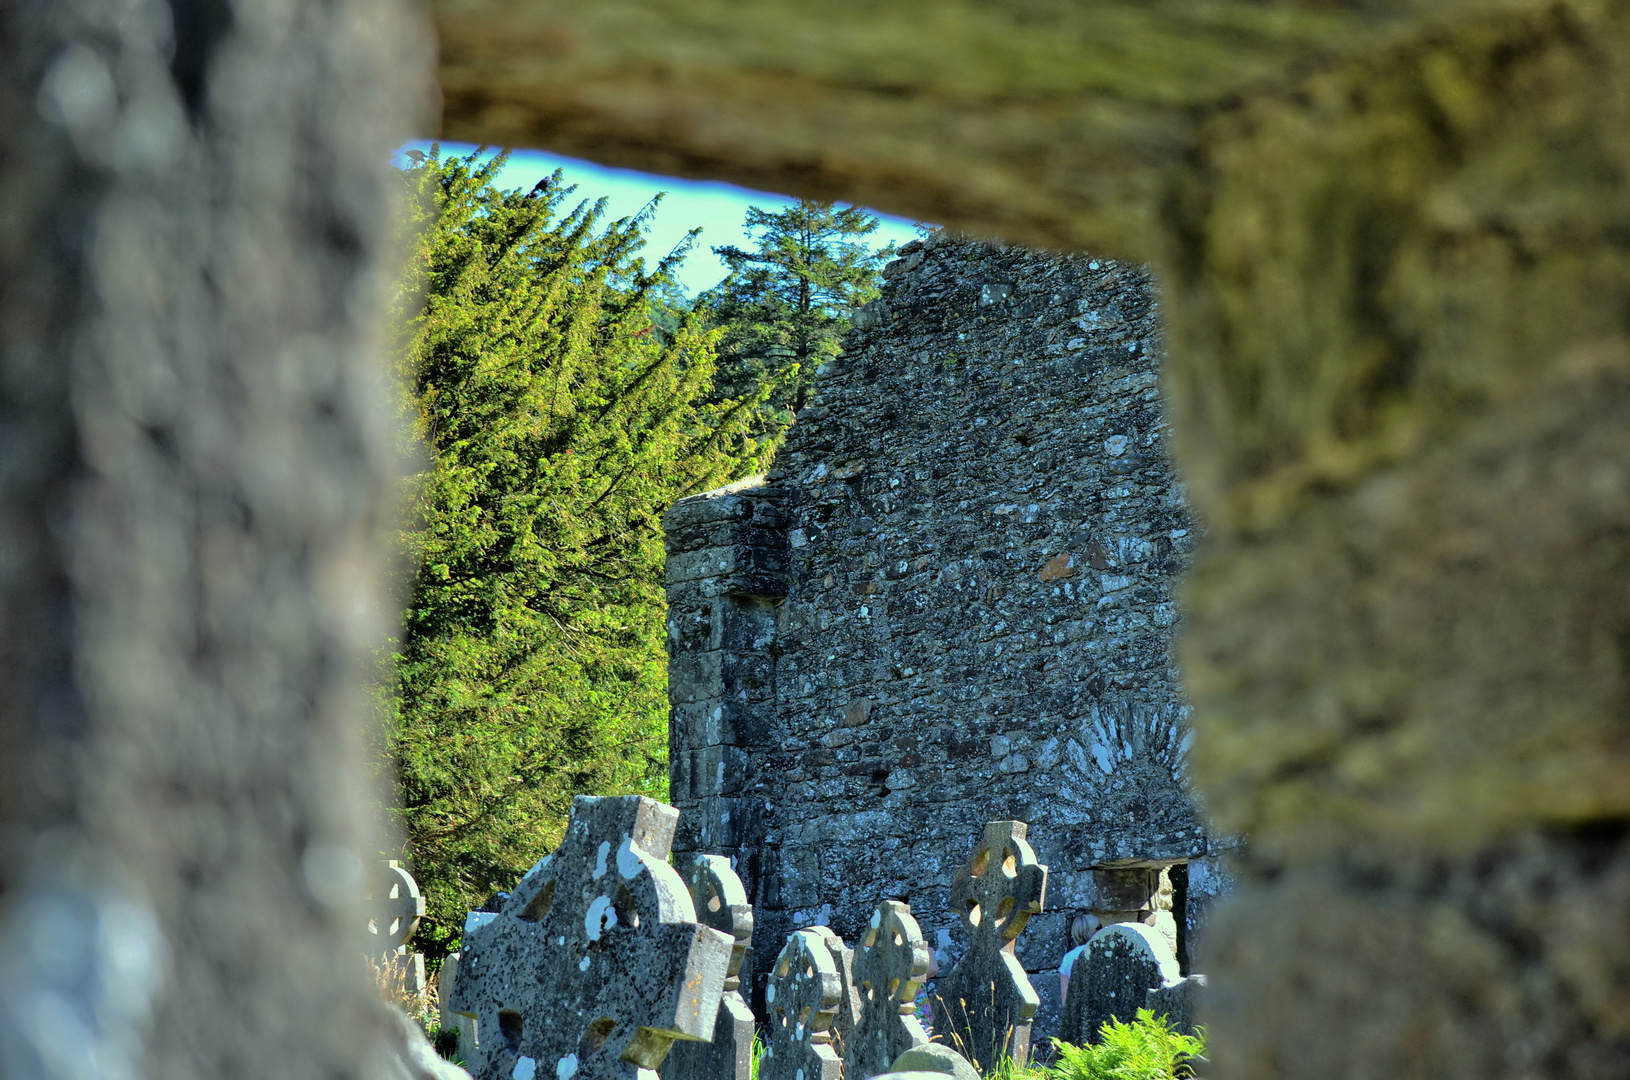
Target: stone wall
column 950, row 602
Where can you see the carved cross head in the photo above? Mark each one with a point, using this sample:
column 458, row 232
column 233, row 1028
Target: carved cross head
column 999, row 888
column 394, row 908
column 721, row 903
column 891, row 960
column 802, row 999
column 596, row 962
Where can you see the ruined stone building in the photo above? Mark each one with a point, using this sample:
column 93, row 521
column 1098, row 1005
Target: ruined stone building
column 950, row 602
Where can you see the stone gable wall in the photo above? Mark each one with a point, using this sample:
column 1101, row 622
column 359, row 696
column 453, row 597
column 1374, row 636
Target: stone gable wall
column 950, row 602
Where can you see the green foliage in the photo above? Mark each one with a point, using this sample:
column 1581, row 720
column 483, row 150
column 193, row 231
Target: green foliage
column 1146, row 1049
column 785, row 305
column 563, row 402
column 756, row 1054
column 445, row 1041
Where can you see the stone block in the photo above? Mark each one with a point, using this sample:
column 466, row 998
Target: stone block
column 695, row 676
column 710, row 771
column 726, row 504
column 711, row 562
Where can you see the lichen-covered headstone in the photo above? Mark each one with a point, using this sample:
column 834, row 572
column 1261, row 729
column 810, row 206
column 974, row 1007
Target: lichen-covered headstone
column 934, row 1058
column 802, row 999
column 721, row 903
column 983, row 1008
column 1123, row 962
column 848, row 1014
column 1178, row 1002
column 596, row 962
column 394, row 908
column 890, row 964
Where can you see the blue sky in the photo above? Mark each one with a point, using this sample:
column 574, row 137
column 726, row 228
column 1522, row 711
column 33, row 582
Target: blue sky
column 717, row 207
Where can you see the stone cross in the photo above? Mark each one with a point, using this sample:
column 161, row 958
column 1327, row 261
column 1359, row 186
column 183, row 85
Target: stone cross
column 890, row 964
column 848, row 1014
column 596, row 962
column 983, row 1008
column 721, row 903
column 1113, row 978
column 394, row 908
column 802, row 998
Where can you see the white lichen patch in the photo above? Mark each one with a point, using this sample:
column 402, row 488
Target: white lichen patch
column 628, row 861
column 566, row 1067
column 600, row 917
column 525, row 1069
column 600, row 862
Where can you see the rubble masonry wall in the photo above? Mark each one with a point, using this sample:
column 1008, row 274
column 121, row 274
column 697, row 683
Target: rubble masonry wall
column 951, row 601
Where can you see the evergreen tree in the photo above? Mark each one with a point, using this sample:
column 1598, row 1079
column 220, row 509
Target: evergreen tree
column 562, row 402
column 785, row 305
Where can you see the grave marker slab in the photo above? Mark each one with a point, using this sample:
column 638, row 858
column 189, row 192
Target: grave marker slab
column 1123, row 962
column 721, row 903
column 464, row 1025
column 596, row 963
column 890, row 964
column 802, row 999
column 984, row 1007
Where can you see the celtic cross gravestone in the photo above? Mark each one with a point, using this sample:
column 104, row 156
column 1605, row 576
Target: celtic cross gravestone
column 983, row 1008
column 802, row 999
column 596, row 963
column 721, row 903
column 394, row 908
column 848, row 1012
column 890, row 964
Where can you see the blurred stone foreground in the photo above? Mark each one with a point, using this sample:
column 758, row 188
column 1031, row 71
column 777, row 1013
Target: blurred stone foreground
column 1394, row 239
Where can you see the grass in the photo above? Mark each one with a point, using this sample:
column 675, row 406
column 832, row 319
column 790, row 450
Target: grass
column 758, row 1053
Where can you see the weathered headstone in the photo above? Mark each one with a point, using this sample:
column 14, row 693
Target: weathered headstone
column 1122, row 964
column 394, row 908
column 983, row 1008
column 721, row 903
column 848, row 1014
column 596, row 963
column 890, row 964
column 1177, row 1002
column 451, row 1020
column 802, row 999
column 934, row 1058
